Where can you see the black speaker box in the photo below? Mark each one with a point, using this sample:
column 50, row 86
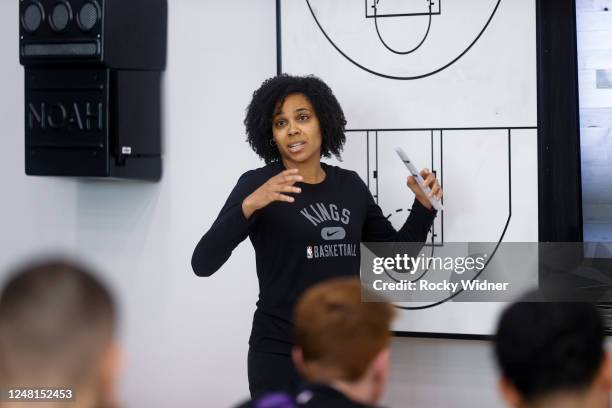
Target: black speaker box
column 93, row 123
column 120, row 34
column 93, row 86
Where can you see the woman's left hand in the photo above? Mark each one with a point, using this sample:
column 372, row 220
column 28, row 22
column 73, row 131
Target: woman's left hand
column 431, row 182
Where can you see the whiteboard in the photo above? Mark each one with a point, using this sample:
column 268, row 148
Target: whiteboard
column 452, row 82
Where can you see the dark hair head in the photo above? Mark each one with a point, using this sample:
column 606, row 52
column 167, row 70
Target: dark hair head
column 543, row 348
column 272, row 92
column 56, row 320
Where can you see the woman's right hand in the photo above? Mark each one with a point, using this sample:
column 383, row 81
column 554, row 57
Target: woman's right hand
column 272, row 190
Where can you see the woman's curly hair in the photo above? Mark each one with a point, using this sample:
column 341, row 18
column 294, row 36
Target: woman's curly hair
column 273, row 91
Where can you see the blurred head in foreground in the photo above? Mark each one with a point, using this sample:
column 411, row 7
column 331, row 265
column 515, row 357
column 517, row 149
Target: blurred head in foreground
column 57, row 330
column 343, row 342
column 552, row 355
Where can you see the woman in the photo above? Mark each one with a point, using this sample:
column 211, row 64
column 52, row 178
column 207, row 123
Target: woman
column 304, row 218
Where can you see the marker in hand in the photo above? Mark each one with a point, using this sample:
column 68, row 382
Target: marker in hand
column 414, row 172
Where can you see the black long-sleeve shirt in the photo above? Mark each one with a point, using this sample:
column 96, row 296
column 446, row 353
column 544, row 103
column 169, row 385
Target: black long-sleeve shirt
column 302, row 243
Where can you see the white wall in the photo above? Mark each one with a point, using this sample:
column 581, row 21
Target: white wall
column 441, row 373
column 185, row 338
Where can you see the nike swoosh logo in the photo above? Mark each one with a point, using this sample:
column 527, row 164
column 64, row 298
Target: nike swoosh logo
column 333, row 233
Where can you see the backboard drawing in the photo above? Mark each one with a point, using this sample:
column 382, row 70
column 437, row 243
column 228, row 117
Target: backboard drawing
column 401, row 8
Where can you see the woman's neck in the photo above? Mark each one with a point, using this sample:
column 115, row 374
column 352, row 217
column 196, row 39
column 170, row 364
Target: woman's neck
column 312, row 173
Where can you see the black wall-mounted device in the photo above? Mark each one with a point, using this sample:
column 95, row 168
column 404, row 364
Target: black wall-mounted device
column 92, row 86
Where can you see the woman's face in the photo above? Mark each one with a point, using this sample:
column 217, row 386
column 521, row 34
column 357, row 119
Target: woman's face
column 296, row 130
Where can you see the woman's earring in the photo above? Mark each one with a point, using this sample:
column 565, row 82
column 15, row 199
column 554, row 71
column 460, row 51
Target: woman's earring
column 272, row 142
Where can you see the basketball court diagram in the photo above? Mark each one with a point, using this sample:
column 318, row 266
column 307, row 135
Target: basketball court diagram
column 385, row 175
column 384, row 178
column 475, row 130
